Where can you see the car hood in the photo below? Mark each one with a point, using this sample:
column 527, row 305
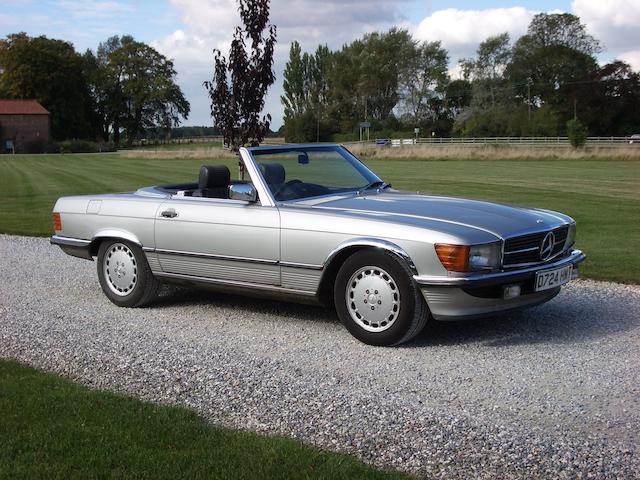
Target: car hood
column 495, row 218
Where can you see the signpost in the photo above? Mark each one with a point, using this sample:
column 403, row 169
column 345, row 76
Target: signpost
column 366, row 125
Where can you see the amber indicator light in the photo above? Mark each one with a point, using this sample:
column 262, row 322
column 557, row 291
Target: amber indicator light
column 57, row 222
column 454, row 258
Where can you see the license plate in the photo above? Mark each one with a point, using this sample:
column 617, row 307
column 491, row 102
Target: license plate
column 553, row 278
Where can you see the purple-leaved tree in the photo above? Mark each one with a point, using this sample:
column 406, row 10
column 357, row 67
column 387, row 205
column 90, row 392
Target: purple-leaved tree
column 239, row 84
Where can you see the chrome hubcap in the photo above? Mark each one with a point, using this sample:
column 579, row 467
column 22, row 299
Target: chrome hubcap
column 120, row 269
column 373, row 299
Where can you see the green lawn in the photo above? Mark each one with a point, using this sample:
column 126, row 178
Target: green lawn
column 53, row 428
column 602, row 195
column 181, row 146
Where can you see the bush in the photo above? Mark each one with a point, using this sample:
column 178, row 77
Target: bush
column 107, row 147
column 41, row 145
column 79, row 146
column 577, row 133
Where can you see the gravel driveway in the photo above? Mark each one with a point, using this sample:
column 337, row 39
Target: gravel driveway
column 549, row 392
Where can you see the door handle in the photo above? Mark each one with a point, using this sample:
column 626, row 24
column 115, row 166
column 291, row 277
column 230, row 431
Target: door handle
column 171, row 213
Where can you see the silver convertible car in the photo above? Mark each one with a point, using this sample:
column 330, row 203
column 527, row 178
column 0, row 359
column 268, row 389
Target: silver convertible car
column 313, row 223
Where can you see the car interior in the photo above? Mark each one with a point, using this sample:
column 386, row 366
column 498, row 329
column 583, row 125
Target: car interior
column 214, row 181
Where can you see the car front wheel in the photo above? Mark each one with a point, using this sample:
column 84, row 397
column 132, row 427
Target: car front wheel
column 377, row 300
column 124, row 274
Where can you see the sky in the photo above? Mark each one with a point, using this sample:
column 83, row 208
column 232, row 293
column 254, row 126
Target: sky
column 188, row 30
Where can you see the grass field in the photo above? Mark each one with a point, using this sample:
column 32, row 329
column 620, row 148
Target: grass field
column 53, row 428
column 603, row 195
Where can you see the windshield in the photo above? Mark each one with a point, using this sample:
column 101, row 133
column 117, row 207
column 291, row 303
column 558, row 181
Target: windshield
column 304, row 172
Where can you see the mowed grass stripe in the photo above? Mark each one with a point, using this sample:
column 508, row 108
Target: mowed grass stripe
column 53, row 428
column 602, row 195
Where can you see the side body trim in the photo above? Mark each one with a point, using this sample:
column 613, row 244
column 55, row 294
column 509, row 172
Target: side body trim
column 234, row 283
column 214, row 256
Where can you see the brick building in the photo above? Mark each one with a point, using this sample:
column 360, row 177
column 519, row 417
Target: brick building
column 21, row 122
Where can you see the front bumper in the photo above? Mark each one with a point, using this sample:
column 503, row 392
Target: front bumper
column 480, row 294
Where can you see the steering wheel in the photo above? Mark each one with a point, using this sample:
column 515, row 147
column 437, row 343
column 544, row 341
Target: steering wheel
column 285, row 186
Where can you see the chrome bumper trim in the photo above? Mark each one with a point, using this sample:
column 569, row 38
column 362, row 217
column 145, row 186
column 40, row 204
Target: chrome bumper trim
column 494, row 278
column 69, row 242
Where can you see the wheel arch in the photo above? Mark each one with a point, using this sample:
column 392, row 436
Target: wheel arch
column 111, row 234
column 338, row 255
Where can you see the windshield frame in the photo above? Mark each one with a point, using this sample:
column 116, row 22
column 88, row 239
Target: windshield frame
column 253, row 154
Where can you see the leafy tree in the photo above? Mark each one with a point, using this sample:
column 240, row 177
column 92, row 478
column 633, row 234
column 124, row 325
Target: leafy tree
column 50, row 71
column 458, row 96
column 486, row 72
column 609, row 102
column 381, row 59
column 555, row 55
column 139, row 88
column 236, row 102
column 423, row 81
column 577, row 132
column 293, row 100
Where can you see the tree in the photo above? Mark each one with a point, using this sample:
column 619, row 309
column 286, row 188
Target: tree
column 134, row 88
column 293, row 99
column 577, row 132
column 239, row 85
column 305, row 97
column 458, row 96
column 51, row 71
column 423, row 81
column 555, row 55
column 381, row 59
column 486, row 72
column 609, row 102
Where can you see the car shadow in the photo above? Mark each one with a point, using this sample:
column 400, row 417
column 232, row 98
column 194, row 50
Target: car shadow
column 569, row 318
column 174, row 295
column 563, row 320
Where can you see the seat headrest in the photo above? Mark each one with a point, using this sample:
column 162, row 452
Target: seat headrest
column 273, row 173
column 213, row 176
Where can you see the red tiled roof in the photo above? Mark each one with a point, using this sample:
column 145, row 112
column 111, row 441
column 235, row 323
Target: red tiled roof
column 21, row 107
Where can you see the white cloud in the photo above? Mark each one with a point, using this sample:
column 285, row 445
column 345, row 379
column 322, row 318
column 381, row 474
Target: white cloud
column 614, row 22
column 90, row 9
column 632, row 58
column 210, row 24
column 462, row 30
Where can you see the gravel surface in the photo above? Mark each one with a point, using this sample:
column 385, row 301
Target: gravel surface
column 549, row 392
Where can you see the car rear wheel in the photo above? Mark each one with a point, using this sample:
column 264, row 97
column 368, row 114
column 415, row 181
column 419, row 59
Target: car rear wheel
column 377, row 300
column 124, row 274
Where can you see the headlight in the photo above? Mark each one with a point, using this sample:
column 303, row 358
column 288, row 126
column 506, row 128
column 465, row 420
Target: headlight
column 465, row 258
column 485, row 257
column 571, row 236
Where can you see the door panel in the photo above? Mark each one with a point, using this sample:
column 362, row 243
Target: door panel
column 222, row 239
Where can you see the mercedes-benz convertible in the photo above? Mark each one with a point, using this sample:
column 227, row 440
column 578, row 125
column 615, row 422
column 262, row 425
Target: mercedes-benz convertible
column 313, row 223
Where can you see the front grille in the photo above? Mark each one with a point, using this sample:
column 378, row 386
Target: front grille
column 525, row 249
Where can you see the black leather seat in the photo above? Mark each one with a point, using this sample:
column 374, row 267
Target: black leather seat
column 213, row 182
column 273, row 174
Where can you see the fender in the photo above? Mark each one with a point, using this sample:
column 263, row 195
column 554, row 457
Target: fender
column 373, row 242
column 115, row 233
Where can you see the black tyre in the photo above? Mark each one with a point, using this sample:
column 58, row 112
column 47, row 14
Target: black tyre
column 124, row 274
column 377, row 300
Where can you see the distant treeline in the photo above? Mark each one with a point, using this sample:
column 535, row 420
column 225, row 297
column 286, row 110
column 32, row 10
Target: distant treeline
column 124, row 88
column 532, row 87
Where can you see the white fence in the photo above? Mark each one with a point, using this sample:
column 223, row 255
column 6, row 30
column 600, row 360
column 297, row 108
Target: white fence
column 504, row 141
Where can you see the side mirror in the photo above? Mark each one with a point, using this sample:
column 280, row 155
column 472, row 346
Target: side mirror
column 243, row 191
